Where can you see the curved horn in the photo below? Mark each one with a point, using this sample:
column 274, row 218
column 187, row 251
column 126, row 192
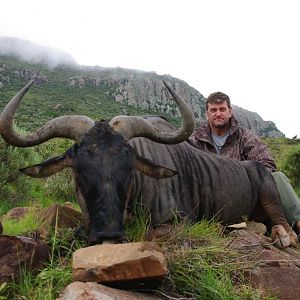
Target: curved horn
column 131, row 127
column 71, row 127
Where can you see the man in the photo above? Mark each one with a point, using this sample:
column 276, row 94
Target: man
column 223, row 135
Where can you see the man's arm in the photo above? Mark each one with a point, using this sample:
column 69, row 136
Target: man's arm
column 255, row 149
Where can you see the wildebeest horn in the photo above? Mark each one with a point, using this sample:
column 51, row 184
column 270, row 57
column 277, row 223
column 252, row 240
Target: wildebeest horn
column 71, row 127
column 131, row 127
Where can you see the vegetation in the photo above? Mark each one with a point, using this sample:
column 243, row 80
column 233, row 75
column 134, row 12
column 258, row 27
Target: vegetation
column 200, row 265
column 286, row 153
column 291, row 165
column 13, row 186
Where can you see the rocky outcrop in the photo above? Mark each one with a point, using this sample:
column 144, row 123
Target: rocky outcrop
column 272, row 271
column 145, row 90
column 251, row 120
column 7, row 73
column 29, row 74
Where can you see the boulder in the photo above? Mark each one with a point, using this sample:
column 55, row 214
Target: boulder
column 271, row 270
column 119, row 263
column 15, row 213
column 94, row 291
column 17, row 253
column 60, row 216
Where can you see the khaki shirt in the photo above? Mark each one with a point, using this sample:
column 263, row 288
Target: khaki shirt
column 241, row 144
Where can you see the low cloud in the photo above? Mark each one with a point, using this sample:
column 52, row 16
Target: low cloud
column 33, row 53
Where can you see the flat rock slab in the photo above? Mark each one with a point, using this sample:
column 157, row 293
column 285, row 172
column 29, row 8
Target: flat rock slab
column 274, row 272
column 95, row 291
column 113, row 263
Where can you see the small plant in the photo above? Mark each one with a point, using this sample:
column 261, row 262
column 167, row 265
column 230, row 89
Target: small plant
column 291, row 165
column 13, row 184
column 201, row 266
column 138, row 226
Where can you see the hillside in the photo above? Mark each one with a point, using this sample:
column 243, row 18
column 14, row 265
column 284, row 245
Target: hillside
column 102, row 93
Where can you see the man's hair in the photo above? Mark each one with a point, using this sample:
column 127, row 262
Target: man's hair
column 217, row 98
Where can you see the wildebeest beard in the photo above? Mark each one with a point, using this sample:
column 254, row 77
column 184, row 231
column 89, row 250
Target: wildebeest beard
column 103, row 174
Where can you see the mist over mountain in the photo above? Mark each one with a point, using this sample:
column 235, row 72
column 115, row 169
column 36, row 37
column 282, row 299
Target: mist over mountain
column 79, row 86
column 35, row 54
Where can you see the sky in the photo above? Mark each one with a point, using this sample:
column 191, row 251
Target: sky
column 249, row 50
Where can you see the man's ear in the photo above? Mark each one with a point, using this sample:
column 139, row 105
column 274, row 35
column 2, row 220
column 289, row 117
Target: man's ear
column 48, row 167
column 151, row 169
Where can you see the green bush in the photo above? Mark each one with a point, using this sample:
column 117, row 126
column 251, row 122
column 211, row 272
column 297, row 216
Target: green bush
column 59, row 186
column 14, row 186
column 291, row 165
column 17, row 189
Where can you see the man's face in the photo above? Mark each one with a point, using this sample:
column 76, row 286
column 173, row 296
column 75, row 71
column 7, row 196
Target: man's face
column 218, row 115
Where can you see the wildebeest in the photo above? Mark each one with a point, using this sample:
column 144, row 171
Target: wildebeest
column 113, row 168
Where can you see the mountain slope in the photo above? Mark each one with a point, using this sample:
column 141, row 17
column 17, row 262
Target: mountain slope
column 102, row 93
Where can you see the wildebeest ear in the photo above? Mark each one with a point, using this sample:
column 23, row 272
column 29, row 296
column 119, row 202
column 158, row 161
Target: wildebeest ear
column 151, row 169
column 48, row 167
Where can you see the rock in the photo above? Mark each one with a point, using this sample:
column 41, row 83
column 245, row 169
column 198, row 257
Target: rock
column 58, row 106
column 60, row 216
column 94, row 291
column 161, row 232
column 16, row 213
column 20, row 252
column 272, row 271
column 117, row 263
column 256, row 227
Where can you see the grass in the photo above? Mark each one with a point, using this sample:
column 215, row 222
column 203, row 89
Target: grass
column 280, row 148
column 201, row 266
column 28, row 223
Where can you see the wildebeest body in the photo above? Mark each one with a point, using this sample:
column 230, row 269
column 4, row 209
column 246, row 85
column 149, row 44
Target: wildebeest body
column 206, row 186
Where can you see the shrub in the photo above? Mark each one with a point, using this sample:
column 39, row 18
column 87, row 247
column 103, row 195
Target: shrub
column 58, row 186
column 14, row 186
column 291, row 165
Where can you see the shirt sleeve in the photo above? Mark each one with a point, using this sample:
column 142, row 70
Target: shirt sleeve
column 255, row 149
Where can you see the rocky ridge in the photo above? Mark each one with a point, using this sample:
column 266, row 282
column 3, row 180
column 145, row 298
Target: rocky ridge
column 145, row 90
column 142, row 90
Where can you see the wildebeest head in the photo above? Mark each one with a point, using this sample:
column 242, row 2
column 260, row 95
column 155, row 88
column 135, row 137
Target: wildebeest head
column 102, row 161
